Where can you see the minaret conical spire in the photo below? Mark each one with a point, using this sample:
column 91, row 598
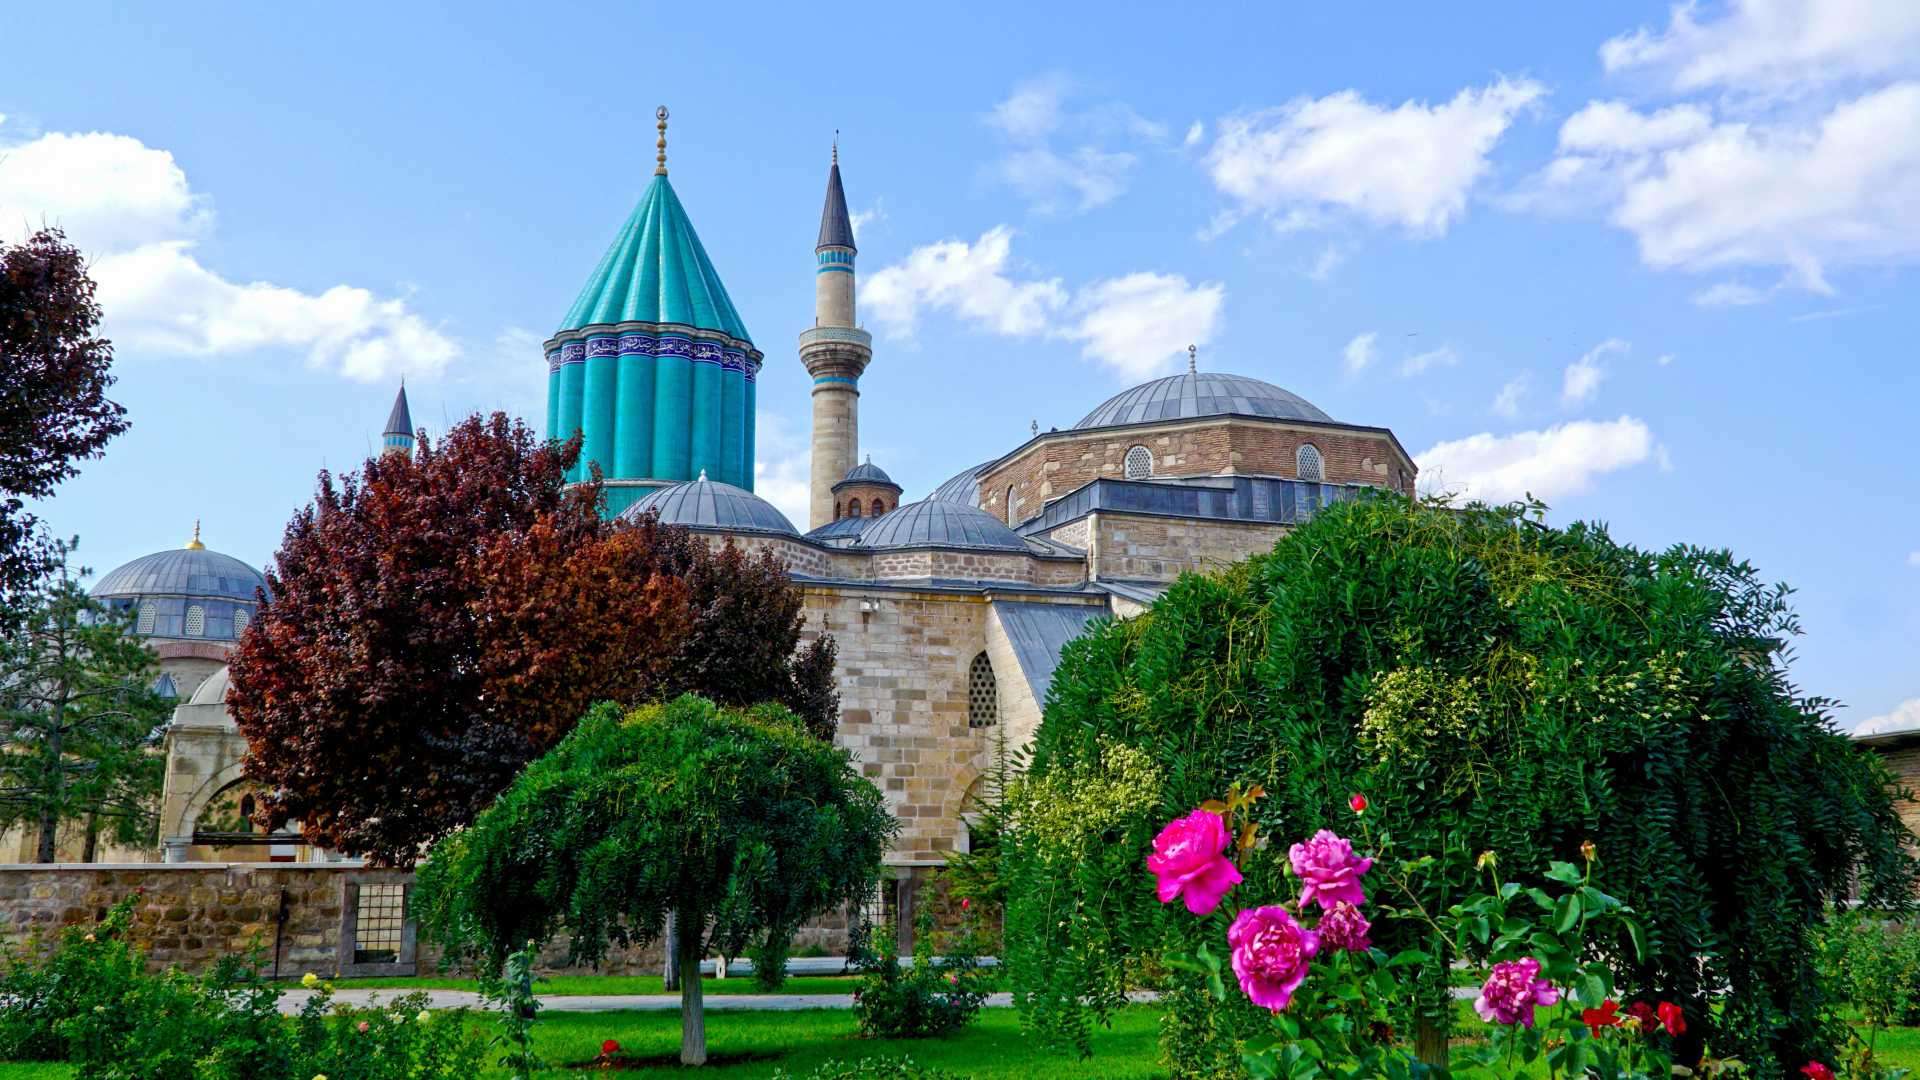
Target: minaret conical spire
column 836, row 227
column 399, row 432
column 835, row 351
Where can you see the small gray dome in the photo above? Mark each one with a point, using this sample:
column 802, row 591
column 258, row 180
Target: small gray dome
column 868, row 473
column 211, row 692
column 189, row 572
column 963, row 489
column 1197, row 394
column 709, row 504
column 933, row 523
column 846, row 529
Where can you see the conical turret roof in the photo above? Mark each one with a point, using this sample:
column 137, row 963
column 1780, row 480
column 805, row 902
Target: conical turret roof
column 656, row 272
column 400, row 420
column 836, row 228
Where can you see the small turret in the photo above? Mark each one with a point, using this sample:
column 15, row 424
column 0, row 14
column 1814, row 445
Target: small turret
column 399, row 433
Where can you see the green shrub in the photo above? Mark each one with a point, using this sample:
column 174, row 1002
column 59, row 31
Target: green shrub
column 1873, row 962
column 1490, row 683
column 43, row 988
column 930, row 998
column 871, row 1069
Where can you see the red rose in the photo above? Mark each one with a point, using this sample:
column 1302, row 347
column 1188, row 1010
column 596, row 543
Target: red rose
column 965, row 904
column 1358, row 802
column 1672, row 1017
column 1817, row 1071
column 1643, row 1014
column 611, row 1046
column 1607, row 1015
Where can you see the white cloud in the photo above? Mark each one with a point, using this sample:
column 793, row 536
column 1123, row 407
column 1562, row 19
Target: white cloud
column 1582, row 378
column 1913, row 558
column 1135, row 323
column 1411, row 166
column 1551, row 464
column 1329, row 258
column 1360, row 353
column 1730, row 294
column 872, row 215
column 1665, row 359
column 1063, row 155
column 1800, row 195
column 1507, row 402
column 782, row 466
column 1420, row 363
column 130, row 207
column 1902, row 717
column 1195, row 132
column 1774, row 47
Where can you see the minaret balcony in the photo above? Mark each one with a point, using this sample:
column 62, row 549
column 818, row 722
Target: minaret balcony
column 837, row 335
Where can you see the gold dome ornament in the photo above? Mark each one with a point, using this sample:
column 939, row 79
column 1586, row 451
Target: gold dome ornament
column 195, row 544
column 660, row 145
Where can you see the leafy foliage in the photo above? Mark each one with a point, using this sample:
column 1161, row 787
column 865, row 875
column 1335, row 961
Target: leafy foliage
column 54, row 378
column 440, row 619
column 1489, row 683
column 739, row 822
column 78, row 717
column 901, row 1068
column 930, row 997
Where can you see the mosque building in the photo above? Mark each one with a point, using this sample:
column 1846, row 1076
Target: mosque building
column 949, row 611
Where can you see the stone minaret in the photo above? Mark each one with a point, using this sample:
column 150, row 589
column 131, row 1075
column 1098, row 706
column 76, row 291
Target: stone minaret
column 835, row 352
column 399, row 433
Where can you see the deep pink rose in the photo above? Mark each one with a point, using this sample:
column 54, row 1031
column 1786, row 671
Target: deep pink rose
column 1343, row 927
column 1187, row 861
column 1328, row 870
column 1513, row 988
column 1270, row 954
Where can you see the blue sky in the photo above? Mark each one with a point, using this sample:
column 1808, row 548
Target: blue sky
column 1656, row 264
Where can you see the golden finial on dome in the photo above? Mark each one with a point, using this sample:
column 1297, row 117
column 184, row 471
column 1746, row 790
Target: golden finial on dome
column 660, row 145
column 195, row 544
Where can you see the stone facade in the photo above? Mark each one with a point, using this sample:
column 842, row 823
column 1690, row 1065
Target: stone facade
column 1057, row 462
column 1139, row 547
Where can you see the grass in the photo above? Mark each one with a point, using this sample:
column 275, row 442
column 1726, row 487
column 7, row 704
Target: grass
column 576, row 985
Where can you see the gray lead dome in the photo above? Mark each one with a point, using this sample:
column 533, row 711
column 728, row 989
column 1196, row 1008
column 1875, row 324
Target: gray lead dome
column 868, row 472
column 1197, row 394
column 187, row 572
column 934, row 523
column 709, row 504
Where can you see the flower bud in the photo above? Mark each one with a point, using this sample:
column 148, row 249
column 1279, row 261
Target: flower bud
column 1358, row 802
column 1485, row 860
column 1587, row 850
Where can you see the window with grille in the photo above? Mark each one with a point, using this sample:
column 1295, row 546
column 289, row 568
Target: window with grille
column 1307, row 458
column 145, row 625
column 379, row 924
column 241, row 617
column 1139, row 463
column 983, row 694
column 196, row 620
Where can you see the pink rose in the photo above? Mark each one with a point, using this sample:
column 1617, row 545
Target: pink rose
column 1343, row 927
column 1187, row 860
column 1328, row 870
column 1270, row 954
column 1513, row 988
column 363, row 1027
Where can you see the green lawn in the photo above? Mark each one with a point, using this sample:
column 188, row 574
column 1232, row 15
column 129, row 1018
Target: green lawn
column 572, row 985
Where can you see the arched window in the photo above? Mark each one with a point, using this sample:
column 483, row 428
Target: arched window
column 853, row 507
column 983, row 694
column 241, row 617
column 147, row 615
column 246, row 813
column 196, row 620
column 1139, row 463
column 839, row 511
column 1013, row 505
column 1307, row 460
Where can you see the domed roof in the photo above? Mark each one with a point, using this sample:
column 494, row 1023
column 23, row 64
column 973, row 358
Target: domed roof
column 709, row 504
column 841, row 530
column 191, row 571
column 213, row 691
column 1196, row 394
column 867, row 473
column 963, row 489
column 656, row 271
column 934, row 523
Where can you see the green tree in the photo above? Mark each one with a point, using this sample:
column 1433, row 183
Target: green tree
column 79, row 717
column 1491, row 684
column 738, row 822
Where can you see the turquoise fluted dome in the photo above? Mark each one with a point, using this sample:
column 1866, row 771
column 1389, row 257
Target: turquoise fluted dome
column 656, row 272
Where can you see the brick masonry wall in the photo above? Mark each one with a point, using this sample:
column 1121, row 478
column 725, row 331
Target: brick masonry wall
column 1062, row 462
column 1138, row 547
column 1904, row 761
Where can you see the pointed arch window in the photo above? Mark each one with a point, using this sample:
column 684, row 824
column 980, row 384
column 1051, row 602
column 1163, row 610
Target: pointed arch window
column 196, row 620
column 1139, row 463
column 1308, row 464
column 1013, row 505
column 853, row 507
column 983, row 693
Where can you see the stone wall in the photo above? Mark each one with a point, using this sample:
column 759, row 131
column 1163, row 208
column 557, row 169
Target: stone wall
column 1140, row 547
column 1061, row 462
column 1902, row 755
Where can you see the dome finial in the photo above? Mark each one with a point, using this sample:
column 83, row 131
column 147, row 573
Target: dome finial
column 195, row 544
column 660, row 145
column 703, row 476
column 836, row 146
column 1193, row 362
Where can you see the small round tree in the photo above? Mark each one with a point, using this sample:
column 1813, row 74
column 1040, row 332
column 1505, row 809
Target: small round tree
column 738, row 823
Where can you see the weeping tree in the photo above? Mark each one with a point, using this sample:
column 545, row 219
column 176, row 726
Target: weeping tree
column 739, row 823
column 1491, row 684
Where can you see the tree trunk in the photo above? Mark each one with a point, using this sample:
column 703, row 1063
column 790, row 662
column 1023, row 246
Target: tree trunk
column 1429, row 1042
column 693, row 1019
column 92, row 846
column 56, row 778
column 672, row 962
